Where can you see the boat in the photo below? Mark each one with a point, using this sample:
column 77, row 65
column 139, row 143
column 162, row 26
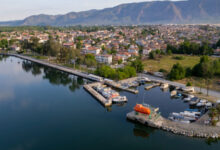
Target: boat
column 203, row 101
column 164, row 86
column 188, row 114
column 143, row 80
column 181, row 119
column 194, row 101
column 200, row 104
column 188, row 89
column 142, row 109
column 183, row 116
column 178, row 95
column 187, row 99
column 194, row 111
column 191, row 96
column 173, row 93
column 208, row 105
column 120, row 99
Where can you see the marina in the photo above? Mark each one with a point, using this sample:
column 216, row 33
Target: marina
column 173, row 120
column 70, row 111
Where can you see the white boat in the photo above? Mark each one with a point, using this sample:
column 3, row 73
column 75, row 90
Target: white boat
column 203, row 101
column 208, row 105
column 173, row 93
column 189, row 89
column 200, row 104
column 191, row 96
column 120, row 99
column 178, row 119
column 187, row 99
column 187, row 114
column 193, row 101
column 106, row 94
column 164, row 86
column 196, row 113
column 144, row 79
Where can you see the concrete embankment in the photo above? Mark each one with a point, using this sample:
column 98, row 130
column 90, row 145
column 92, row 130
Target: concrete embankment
column 55, row 66
column 105, row 102
column 191, row 130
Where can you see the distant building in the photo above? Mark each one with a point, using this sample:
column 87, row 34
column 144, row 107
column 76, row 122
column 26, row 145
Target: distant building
column 69, row 45
column 217, row 51
column 92, row 50
column 15, row 48
column 107, row 59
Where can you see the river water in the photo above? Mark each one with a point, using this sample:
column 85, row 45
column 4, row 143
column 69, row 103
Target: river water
column 45, row 109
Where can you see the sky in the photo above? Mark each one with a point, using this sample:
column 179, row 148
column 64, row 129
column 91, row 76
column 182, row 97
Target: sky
column 20, row 9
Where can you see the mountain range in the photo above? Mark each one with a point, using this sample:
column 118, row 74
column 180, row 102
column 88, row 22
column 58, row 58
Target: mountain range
column 155, row 12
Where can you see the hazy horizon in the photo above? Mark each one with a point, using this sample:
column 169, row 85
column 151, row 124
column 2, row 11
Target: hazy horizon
column 25, row 8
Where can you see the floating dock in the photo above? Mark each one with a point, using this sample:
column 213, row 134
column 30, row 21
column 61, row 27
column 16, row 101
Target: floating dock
column 105, row 102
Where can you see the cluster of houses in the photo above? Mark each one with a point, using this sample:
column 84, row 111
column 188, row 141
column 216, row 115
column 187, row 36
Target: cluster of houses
column 124, row 41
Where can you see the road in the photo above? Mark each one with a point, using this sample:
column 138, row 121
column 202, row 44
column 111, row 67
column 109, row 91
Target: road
column 204, row 91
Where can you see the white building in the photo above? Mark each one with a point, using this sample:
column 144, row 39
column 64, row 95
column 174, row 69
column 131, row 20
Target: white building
column 92, row 50
column 107, row 59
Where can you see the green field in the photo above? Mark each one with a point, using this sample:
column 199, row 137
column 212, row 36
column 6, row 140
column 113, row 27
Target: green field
column 167, row 62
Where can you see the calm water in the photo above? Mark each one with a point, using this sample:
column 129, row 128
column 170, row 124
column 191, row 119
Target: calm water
column 45, row 109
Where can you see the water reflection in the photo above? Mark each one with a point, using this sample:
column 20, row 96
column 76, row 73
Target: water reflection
column 54, row 76
column 142, row 131
column 211, row 141
column 3, row 57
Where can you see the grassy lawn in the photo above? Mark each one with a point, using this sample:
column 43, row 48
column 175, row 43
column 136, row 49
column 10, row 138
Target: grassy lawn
column 167, row 62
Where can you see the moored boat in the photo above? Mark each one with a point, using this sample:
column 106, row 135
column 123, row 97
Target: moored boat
column 142, row 109
column 120, row 99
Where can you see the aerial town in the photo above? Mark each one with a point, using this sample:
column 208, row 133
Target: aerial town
column 111, row 44
column 129, row 57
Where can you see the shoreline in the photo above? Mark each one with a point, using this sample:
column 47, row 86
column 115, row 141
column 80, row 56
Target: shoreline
column 189, row 130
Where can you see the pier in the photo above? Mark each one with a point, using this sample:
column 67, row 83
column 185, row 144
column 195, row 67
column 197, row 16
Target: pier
column 191, row 130
column 105, row 102
column 152, row 86
column 118, row 86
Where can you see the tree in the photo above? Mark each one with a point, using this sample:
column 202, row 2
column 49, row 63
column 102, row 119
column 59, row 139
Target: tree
column 177, row 72
column 218, row 43
column 137, row 64
column 152, row 55
column 4, row 43
column 169, row 52
column 51, row 47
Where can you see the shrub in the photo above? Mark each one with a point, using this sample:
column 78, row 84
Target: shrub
column 177, row 72
column 179, row 58
column 189, row 84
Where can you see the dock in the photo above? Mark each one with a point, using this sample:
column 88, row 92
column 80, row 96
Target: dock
column 191, row 130
column 55, row 66
column 118, row 86
column 105, row 102
column 152, row 86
